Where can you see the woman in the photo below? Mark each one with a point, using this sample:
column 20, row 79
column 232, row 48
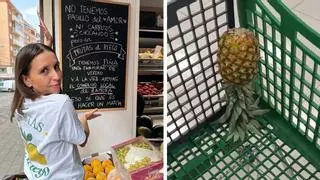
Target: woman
column 49, row 125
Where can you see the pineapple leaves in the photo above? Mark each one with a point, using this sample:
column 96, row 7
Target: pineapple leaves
column 224, row 98
column 242, row 133
column 241, row 111
column 242, row 104
column 240, row 94
column 230, row 136
column 248, row 91
column 226, row 115
column 243, row 125
column 253, row 129
column 250, row 102
column 237, row 110
column 244, row 117
column 239, row 133
column 258, row 112
column 254, row 105
column 227, row 88
column 235, row 136
column 255, row 123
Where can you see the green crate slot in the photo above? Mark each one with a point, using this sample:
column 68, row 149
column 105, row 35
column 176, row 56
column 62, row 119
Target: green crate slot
column 273, row 155
column 297, row 97
column 289, row 83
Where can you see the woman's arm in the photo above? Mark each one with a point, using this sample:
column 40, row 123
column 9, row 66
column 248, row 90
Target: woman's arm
column 48, row 40
column 84, row 122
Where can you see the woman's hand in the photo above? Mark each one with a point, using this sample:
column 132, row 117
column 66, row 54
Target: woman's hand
column 91, row 114
column 48, row 37
column 84, row 122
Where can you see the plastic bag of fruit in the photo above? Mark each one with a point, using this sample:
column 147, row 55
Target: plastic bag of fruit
column 138, row 159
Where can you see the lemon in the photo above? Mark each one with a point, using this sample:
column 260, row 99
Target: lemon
column 88, row 175
column 91, row 178
column 108, row 169
column 106, row 163
column 101, row 176
column 97, row 170
column 87, row 168
column 95, row 162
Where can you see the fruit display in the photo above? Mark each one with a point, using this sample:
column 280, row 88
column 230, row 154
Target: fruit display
column 137, row 154
column 150, row 53
column 144, row 131
column 157, row 131
column 145, row 121
column 143, row 145
column 137, row 158
column 139, row 164
column 131, row 166
column 149, row 88
column 97, row 169
column 121, row 153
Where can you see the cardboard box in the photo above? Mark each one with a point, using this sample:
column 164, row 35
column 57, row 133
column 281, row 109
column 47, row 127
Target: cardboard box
column 152, row 171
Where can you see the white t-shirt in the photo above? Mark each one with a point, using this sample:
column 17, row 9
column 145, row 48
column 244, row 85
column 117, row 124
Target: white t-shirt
column 51, row 131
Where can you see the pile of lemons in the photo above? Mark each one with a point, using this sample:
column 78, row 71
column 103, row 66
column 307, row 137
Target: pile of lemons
column 97, row 170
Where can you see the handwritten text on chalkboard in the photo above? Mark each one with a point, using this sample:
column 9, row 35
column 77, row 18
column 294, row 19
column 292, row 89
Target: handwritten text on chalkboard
column 94, row 52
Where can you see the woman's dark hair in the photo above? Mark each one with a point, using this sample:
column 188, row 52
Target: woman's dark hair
column 22, row 67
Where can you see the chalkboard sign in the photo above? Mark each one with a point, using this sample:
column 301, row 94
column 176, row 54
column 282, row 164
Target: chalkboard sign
column 94, row 53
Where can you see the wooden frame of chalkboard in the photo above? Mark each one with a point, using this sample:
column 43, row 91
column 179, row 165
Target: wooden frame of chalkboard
column 94, row 53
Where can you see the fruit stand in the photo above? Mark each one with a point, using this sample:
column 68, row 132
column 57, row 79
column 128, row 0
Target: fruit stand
column 287, row 142
column 134, row 159
column 150, row 72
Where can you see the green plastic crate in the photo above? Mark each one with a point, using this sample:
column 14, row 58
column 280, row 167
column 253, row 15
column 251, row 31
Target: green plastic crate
column 288, row 82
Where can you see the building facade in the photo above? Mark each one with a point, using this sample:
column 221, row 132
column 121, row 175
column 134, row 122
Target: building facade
column 30, row 33
column 11, row 36
column 15, row 32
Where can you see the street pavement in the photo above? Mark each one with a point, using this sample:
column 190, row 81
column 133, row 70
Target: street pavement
column 11, row 144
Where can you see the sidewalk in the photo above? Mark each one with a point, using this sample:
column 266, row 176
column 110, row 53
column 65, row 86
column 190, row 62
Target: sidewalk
column 11, row 145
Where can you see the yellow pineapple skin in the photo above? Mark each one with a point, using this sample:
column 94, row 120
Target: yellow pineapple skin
column 238, row 55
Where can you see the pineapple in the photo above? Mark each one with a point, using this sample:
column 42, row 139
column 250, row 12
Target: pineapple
column 238, row 56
